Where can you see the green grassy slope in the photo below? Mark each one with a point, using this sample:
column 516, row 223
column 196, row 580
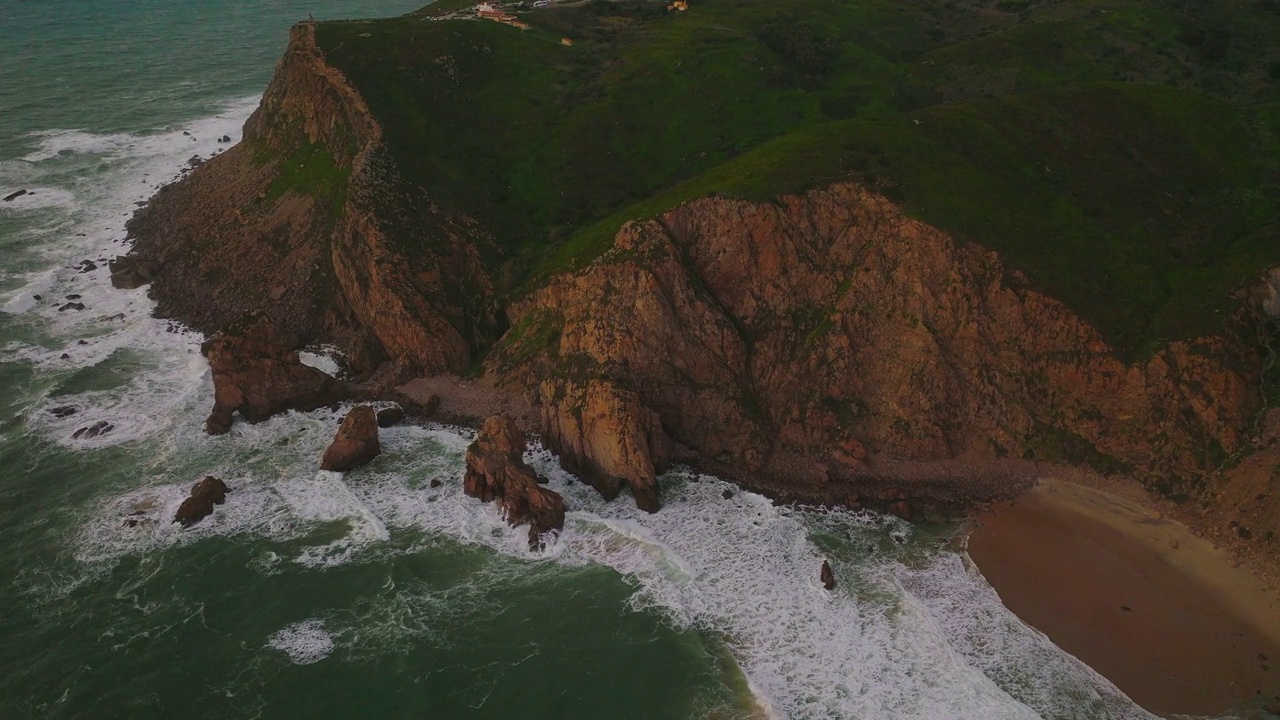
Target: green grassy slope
column 1124, row 155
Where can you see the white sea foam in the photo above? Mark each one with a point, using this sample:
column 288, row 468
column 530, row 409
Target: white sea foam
column 324, row 362
column 903, row 636
column 305, row 642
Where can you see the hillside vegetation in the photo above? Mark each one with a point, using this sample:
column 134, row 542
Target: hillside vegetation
column 1124, row 156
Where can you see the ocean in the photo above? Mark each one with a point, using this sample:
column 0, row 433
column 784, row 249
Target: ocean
column 316, row 595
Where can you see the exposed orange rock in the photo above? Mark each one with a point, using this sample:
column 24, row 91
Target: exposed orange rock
column 255, row 374
column 356, row 442
column 606, row 437
column 496, row 472
column 832, row 327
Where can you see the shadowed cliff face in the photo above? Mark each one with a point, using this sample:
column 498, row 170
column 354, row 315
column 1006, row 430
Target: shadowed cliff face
column 833, row 328
column 284, row 224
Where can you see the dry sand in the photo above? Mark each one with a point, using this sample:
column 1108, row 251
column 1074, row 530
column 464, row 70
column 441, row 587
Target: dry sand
column 1161, row 613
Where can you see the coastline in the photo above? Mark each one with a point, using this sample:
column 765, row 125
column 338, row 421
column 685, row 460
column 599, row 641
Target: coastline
column 1169, row 618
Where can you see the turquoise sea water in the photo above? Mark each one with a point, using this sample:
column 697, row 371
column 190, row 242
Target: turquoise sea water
column 316, row 595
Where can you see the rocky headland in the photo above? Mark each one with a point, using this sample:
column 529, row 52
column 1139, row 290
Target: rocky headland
column 826, row 346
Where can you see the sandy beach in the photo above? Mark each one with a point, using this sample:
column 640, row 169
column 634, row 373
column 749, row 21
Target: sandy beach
column 1161, row 613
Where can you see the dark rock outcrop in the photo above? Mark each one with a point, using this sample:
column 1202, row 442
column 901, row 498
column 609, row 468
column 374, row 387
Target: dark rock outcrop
column 102, row 427
column 14, row 195
column 356, row 442
column 256, row 374
column 496, row 472
column 827, row 577
column 199, row 505
column 128, row 273
column 390, row 417
column 63, row 411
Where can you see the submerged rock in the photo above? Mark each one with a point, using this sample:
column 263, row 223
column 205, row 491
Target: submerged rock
column 828, row 578
column 355, row 444
column 63, row 411
column 496, row 472
column 14, row 195
column 199, row 505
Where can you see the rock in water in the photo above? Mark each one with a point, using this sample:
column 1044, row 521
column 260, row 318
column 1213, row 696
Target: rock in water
column 102, row 427
column 254, row 373
column 356, row 442
column 206, row 493
column 496, row 472
column 14, row 195
column 828, row 578
column 389, row 417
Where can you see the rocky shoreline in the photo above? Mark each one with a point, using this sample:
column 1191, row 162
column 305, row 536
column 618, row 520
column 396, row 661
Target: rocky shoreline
column 825, row 348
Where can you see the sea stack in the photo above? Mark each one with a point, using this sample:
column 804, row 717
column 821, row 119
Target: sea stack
column 355, row 444
column 496, row 472
column 199, row 505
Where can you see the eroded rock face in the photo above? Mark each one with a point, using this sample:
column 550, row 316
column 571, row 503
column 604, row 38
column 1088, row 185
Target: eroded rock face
column 255, row 374
column 355, row 444
column 832, row 329
column 605, row 436
column 222, row 243
column 199, row 505
column 496, row 472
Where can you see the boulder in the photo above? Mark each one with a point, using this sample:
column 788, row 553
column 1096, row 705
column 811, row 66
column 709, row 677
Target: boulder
column 828, row 578
column 255, row 374
column 71, row 306
column 355, row 444
column 14, row 195
column 388, row 417
column 496, row 472
column 199, row 505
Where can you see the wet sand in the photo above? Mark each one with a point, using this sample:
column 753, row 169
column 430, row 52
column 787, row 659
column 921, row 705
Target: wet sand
column 1160, row 613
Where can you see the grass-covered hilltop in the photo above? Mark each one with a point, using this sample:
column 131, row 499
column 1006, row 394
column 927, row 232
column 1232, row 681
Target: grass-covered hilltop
column 1124, row 155
column 824, row 247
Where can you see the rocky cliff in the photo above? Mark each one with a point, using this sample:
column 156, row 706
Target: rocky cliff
column 825, row 347
column 833, row 329
column 287, row 224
